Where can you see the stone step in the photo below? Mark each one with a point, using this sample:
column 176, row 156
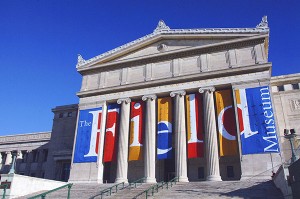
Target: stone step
column 130, row 193
column 224, row 189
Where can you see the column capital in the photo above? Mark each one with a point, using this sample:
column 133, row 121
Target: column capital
column 125, row 100
column 208, row 88
column 151, row 97
column 7, row 152
column 180, row 93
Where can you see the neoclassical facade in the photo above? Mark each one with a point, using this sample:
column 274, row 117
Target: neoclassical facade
column 187, row 87
column 199, row 104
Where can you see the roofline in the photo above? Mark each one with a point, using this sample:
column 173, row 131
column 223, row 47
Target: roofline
column 162, row 29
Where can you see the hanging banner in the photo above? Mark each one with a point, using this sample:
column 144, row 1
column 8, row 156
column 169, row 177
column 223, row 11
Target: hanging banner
column 256, row 121
column 111, row 133
column 135, row 133
column 194, row 117
column 88, row 134
column 226, row 123
column 164, row 128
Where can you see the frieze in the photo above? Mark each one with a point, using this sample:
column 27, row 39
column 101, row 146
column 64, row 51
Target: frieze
column 295, row 104
column 25, row 138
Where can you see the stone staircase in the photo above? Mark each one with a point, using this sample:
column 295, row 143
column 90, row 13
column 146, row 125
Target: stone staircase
column 254, row 188
column 78, row 191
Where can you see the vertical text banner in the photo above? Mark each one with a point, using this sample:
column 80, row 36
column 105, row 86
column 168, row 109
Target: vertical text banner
column 226, row 123
column 194, row 115
column 164, row 128
column 256, row 121
column 135, row 134
column 88, row 134
column 111, row 133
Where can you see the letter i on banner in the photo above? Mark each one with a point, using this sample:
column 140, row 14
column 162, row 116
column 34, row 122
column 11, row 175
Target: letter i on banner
column 194, row 113
column 226, row 123
column 111, row 132
column 136, row 127
column 164, row 128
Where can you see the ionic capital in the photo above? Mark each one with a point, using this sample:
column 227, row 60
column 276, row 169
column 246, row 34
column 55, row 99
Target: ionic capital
column 209, row 89
column 7, row 152
column 180, row 93
column 149, row 97
column 125, row 100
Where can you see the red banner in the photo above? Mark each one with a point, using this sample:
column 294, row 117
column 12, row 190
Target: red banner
column 111, row 133
column 194, row 125
column 136, row 128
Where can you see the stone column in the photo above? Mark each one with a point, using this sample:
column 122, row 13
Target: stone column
column 180, row 136
column 122, row 161
column 150, row 131
column 8, row 159
column 211, row 142
column 19, row 155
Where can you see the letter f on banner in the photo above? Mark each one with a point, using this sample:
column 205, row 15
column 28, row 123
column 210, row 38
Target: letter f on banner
column 94, row 141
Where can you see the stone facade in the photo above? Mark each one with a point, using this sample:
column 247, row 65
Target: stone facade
column 174, row 62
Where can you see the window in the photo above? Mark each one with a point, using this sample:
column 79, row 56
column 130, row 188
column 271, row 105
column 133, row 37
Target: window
column 69, row 114
column 61, row 115
column 280, row 88
column 201, row 173
column 24, row 156
column 230, row 172
column 45, row 154
column 295, row 86
column 35, row 156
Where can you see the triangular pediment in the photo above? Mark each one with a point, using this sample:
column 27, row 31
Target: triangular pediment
column 165, row 40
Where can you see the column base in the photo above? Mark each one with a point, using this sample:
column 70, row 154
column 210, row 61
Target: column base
column 183, row 179
column 213, row 178
column 119, row 180
column 150, row 180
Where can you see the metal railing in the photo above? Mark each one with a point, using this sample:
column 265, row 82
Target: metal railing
column 156, row 187
column 43, row 195
column 109, row 190
column 174, row 180
column 134, row 183
column 4, row 190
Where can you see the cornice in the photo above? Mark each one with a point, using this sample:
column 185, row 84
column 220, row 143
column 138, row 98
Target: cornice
column 33, row 137
column 235, row 43
column 163, row 29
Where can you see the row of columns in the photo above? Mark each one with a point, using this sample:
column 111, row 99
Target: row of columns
column 9, row 157
column 211, row 145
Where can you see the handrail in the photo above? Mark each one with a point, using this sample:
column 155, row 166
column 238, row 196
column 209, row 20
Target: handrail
column 109, row 189
column 157, row 186
column 176, row 179
column 152, row 188
column 4, row 190
column 141, row 180
column 43, row 195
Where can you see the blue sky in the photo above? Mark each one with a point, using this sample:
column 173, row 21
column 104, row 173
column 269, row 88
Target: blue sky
column 40, row 40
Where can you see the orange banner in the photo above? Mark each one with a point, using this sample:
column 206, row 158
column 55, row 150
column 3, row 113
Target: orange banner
column 226, row 123
column 136, row 127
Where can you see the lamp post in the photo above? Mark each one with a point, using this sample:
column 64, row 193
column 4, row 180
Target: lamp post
column 290, row 135
column 12, row 168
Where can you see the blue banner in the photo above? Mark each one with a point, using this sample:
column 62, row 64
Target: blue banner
column 257, row 123
column 88, row 133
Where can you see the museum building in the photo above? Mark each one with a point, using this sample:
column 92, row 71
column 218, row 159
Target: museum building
column 171, row 103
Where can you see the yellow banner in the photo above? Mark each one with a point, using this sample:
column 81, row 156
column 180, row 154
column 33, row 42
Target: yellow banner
column 226, row 123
